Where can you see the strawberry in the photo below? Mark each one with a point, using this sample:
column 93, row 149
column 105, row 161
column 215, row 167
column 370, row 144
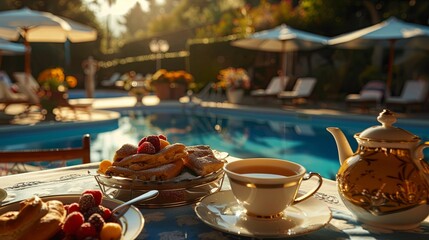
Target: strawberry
column 97, row 194
column 73, row 222
column 73, row 207
column 142, row 141
column 163, row 137
column 86, row 230
column 147, row 148
column 155, row 142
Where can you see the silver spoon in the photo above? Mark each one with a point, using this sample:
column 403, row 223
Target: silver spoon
column 120, row 210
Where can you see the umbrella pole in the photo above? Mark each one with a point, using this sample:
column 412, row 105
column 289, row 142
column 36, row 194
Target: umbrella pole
column 283, row 66
column 27, row 59
column 390, row 66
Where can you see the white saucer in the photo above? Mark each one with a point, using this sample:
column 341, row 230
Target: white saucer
column 3, row 194
column 222, row 212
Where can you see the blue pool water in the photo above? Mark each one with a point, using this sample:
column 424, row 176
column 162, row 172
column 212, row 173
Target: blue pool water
column 243, row 134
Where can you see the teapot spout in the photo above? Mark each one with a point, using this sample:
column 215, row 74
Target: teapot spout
column 343, row 146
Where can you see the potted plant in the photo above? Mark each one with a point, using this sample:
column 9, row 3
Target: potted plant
column 171, row 84
column 53, row 90
column 235, row 81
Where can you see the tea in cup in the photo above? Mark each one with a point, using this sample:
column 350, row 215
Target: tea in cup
column 265, row 187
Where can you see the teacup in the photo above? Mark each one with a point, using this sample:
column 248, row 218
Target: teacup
column 265, row 187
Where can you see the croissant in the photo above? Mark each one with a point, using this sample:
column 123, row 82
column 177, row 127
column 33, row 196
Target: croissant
column 35, row 220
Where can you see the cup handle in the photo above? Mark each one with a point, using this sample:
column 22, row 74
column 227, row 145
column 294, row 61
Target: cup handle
column 310, row 193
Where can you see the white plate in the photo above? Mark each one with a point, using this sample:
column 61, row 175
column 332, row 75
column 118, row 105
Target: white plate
column 132, row 222
column 3, row 194
column 222, row 212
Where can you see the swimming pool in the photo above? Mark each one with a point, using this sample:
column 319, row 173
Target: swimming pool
column 242, row 133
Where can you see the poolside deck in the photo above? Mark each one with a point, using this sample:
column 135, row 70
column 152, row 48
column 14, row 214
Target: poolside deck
column 107, row 108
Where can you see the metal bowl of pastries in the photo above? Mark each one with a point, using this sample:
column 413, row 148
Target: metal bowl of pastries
column 182, row 175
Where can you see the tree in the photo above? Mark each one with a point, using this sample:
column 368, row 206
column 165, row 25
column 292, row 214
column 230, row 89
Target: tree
column 135, row 21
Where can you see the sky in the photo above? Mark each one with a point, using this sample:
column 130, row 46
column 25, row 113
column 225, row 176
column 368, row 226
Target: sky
column 117, row 11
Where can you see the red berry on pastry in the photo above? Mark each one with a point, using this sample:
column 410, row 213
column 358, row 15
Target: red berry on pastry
column 142, row 141
column 155, row 142
column 163, row 137
column 147, row 148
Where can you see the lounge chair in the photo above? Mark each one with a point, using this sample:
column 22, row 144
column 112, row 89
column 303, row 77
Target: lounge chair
column 276, row 85
column 7, row 96
column 29, row 86
column 112, row 80
column 371, row 93
column 302, row 89
column 414, row 94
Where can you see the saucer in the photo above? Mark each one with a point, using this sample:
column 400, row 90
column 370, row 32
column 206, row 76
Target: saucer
column 222, row 212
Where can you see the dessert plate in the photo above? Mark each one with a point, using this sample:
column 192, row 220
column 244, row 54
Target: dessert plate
column 222, row 212
column 132, row 221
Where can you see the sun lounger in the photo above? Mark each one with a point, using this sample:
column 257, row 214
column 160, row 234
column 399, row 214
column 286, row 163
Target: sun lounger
column 414, row 93
column 302, row 89
column 7, row 96
column 29, row 86
column 276, row 85
column 371, row 93
column 112, row 80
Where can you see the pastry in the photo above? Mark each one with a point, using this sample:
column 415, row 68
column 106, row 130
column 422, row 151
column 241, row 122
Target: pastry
column 201, row 160
column 35, row 220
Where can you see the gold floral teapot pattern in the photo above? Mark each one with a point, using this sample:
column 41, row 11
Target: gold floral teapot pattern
column 385, row 182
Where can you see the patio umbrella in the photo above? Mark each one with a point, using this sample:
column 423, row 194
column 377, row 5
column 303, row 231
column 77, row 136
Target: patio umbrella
column 282, row 39
column 37, row 26
column 391, row 33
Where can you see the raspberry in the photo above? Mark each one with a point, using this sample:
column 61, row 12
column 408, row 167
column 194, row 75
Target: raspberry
column 73, row 222
column 155, row 142
column 74, row 207
column 86, row 202
column 147, row 148
column 97, row 209
column 107, row 213
column 163, row 137
column 97, row 194
column 86, row 230
column 142, row 141
column 97, row 221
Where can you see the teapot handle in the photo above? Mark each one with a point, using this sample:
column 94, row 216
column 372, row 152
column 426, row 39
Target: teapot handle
column 420, row 161
column 419, row 150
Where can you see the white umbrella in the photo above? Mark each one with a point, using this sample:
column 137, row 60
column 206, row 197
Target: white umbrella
column 282, row 39
column 36, row 26
column 392, row 32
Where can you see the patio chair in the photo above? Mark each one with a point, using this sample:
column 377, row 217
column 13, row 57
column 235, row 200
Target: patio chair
column 7, row 96
column 414, row 94
column 371, row 93
column 18, row 161
column 302, row 89
column 112, row 80
column 29, row 86
column 276, row 85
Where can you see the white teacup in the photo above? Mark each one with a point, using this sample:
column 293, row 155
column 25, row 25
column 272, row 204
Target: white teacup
column 265, row 187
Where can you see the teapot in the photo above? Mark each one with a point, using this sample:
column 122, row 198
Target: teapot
column 385, row 182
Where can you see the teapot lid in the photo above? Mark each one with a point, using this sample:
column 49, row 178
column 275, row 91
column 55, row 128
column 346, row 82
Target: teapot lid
column 387, row 132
